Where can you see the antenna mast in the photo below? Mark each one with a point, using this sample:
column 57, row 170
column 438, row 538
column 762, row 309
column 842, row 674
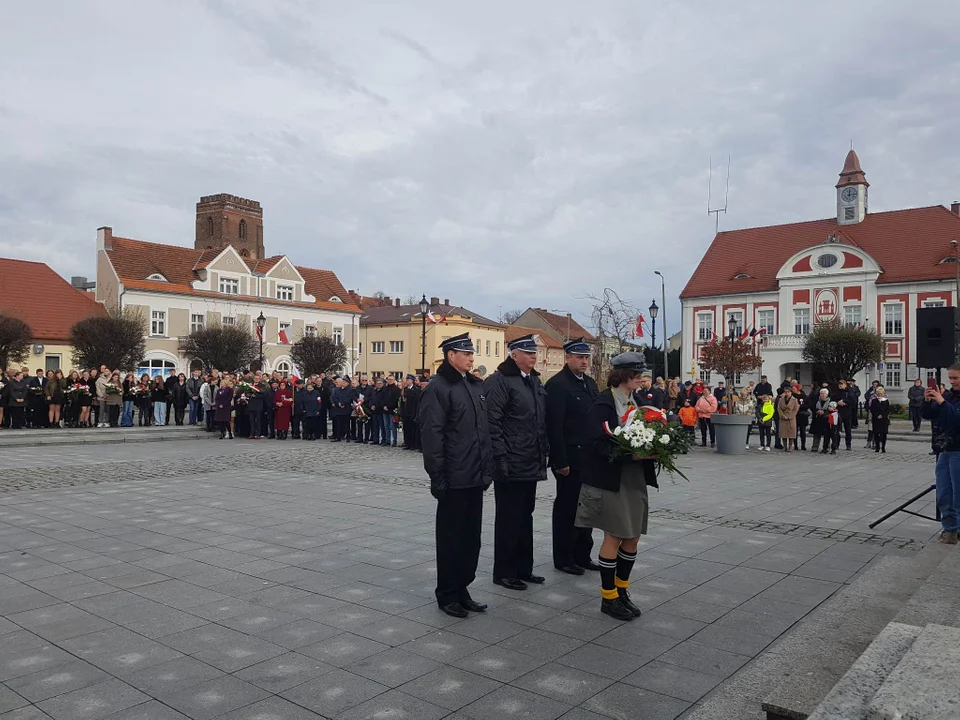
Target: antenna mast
column 726, row 194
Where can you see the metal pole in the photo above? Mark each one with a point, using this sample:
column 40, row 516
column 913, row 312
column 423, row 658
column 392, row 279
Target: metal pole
column 423, row 342
column 663, row 310
column 956, row 265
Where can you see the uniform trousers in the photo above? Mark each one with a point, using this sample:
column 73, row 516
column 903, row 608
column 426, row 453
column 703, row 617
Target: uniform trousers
column 513, row 529
column 410, row 433
column 459, row 520
column 571, row 545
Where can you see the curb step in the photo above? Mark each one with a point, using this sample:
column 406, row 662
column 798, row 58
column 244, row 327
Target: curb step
column 73, row 437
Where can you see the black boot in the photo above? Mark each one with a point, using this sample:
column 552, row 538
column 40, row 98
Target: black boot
column 616, row 609
column 627, row 602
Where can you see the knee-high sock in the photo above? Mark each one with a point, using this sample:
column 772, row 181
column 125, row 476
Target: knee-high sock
column 608, row 571
column 625, row 562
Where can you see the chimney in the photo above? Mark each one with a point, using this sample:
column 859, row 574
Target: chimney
column 434, row 301
column 955, row 207
column 446, row 301
column 396, row 302
column 105, row 238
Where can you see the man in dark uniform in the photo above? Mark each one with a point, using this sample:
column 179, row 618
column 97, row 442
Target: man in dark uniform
column 570, row 394
column 456, row 455
column 650, row 394
column 516, row 408
column 408, row 413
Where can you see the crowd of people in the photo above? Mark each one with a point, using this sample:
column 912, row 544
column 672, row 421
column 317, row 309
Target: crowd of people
column 249, row 404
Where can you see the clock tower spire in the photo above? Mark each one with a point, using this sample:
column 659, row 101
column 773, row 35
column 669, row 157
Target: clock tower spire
column 851, row 192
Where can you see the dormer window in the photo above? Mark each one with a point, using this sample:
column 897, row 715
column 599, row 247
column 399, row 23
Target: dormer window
column 948, row 259
column 229, row 286
column 741, row 276
column 285, row 292
column 157, row 277
column 335, row 299
column 827, row 260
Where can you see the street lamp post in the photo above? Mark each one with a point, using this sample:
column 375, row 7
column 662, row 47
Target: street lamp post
column 424, row 306
column 663, row 307
column 654, row 311
column 261, row 323
column 956, row 264
column 732, row 327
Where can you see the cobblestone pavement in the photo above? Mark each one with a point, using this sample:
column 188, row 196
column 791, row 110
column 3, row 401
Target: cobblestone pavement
column 260, row 580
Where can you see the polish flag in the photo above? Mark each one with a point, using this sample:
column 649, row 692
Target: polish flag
column 744, row 335
column 640, row 322
column 284, row 340
column 259, row 332
column 432, row 318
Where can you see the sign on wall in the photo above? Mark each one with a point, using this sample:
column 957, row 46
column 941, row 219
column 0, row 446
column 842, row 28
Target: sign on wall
column 826, row 305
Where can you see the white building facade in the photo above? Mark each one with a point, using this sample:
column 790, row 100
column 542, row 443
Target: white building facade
column 871, row 270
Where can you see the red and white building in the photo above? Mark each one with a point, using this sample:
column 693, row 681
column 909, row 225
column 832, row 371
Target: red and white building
column 870, row 269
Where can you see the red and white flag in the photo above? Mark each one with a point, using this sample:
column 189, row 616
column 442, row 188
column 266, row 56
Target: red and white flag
column 259, row 333
column 284, row 340
column 640, row 323
column 433, row 318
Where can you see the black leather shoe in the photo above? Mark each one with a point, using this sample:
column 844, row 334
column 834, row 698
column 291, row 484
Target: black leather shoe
column 455, row 609
column 571, row 570
column 535, row 579
column 472, row 605
column 627, row 602
column 510, row 584
column 590, row 565
column 616, row 609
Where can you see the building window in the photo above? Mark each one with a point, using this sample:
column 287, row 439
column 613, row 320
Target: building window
column 498, row 349
column 893, row 319
column 853, row 316
column 209, row 227
column 765, row 320
column 704, row 326
column 892, row 374
column 230, row 286
column 848, row 213
column 934, row 303
column 376, row 347
column 284, row 292
column 828, row 260
column 737, row 315
column 397, row 375
column 801, row 321
column 155, row 367
column 242, row 231
column 228, row 320
column 396, row 346
column 705, row 376
column 158, row 322
column 283, row 367
column 197, row 322
column 338, row 336
column 488, row 348
column 310, row 331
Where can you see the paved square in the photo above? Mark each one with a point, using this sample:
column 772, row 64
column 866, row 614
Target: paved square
column 239, row 580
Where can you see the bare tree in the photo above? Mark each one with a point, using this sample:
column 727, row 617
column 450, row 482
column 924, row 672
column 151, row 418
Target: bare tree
column 315, row 355
column 115, row 340
column 15, row 338
column 511, row 316
column 226, row 347
column 381, row 299
column 615, row 320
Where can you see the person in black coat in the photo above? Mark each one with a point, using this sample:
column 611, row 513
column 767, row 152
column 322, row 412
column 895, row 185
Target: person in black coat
column 408, row 413
column 459, row 461
column 17, row 392
column 324, row 389
column 570, row 393
column 340, row 409
column 389, row 401
column 516, row 409
column 255, row 401
column 650, row 394
column 168, row 383
column 763, row 388
column 296, row 419
column 845, row 408
column 310, row 402
column 376, row 412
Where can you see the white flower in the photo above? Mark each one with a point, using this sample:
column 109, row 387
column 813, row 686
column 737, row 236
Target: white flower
column 665, row 439
column 635, row 443
column 618, row 431
column 647, row 436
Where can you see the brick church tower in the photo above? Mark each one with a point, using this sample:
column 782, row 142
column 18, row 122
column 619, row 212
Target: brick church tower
column 230, row 220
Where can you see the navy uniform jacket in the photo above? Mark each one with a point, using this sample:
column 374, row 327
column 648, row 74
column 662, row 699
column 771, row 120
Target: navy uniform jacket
column 568, row 404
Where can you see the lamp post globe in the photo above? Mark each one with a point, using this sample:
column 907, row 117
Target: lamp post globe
column 732, row 326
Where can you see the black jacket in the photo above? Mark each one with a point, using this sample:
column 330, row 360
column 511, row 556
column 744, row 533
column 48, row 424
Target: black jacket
column 454, row 433
column 597, row 468
column 915, row 395
column 763, row 388
column 568, row 403
column 193, row 386
column 654, row 397
column 309, row 402
column 411, row 401
column 257, row 400
column 516, row 409
column 178, row 396
column 16, row 391
column 845, row 410
column 389, row 398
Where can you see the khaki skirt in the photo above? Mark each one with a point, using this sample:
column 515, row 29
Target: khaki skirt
column 622, row 514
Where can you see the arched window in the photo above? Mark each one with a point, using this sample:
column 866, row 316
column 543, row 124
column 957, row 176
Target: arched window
column 242, row 232
column 156, row 366
column 283, row 367
column 209, row 227
column 244, row 252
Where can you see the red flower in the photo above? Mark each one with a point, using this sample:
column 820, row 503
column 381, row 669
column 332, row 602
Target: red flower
column 654, row 416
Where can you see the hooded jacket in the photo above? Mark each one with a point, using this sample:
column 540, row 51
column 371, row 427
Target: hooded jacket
column 454, row 432
column 517, row 410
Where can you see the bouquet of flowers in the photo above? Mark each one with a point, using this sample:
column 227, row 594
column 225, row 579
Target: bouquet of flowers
column 111, row 388
column 362, row 411
column 141, row 391
column 245, row 388
column 645, row 432
column 36, row 390
column 77, row 391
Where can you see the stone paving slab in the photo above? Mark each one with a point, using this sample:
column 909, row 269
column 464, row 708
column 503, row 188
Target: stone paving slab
column 137, row 582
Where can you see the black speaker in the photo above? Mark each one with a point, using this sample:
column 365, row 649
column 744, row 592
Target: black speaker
column 936, row 336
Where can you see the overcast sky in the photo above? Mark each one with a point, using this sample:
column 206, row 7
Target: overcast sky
column 499, row 153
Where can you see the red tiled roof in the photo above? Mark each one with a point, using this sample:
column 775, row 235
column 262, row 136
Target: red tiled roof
column 364, row 301
column 45, row 301
column 396, row 314
column 512, row 332
column 561, row 323
column 135, row 260
column 907, row 244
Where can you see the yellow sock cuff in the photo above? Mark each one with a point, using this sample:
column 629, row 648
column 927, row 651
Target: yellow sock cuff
column 609, row 594
column 621, row 583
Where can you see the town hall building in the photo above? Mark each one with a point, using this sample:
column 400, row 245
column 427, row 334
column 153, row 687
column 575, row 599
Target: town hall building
column 864, row 269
